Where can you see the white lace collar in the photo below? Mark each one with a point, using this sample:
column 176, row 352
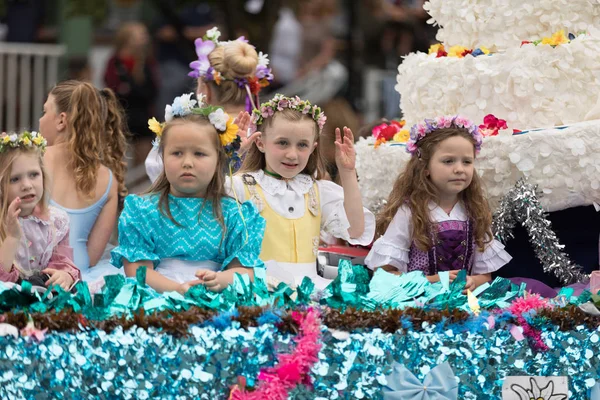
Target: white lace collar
column 300, row 184
column 458, row 212
column 38, row 217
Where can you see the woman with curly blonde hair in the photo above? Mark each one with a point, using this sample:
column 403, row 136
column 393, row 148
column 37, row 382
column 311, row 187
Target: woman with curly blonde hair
column 437, row 217
column 85, row 129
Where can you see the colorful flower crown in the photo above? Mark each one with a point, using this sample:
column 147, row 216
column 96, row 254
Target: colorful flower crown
column 27, row 140
column 201, row 68
column 419, row 131
column 184, row 105
column 279, row 102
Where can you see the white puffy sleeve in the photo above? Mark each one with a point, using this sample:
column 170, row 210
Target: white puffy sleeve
column 154, row 164
column 491, row 259
column 234, row 187
column 393, row 248
column 334, row 220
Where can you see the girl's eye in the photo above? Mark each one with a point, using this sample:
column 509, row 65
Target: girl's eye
column 176, row 153
column 14, row 180
column 468, row 162
column 200, row 154
column 303, row 145
column 282, row 143
column 35, row 174
column 447, row 161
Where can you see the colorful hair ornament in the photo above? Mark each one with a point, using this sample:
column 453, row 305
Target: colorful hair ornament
column 24, row 140
column 419, row 131
column 185, row 105
column 201, row 68
column 280, row 102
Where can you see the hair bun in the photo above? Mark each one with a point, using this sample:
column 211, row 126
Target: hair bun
column 239, row 59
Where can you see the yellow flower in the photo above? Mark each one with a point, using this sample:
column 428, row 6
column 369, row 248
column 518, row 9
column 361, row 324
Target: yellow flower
column 38, row 140
column 559, row 38
column 26, row 141
column 155, row 126
column 556, row 39
column 456, row 51
column 485, row 50
column 230, row 133
column 434, row 48
column 402, row 136
column 6, row 139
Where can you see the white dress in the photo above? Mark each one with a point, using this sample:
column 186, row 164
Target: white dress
column 393, row 248
column 283, row 196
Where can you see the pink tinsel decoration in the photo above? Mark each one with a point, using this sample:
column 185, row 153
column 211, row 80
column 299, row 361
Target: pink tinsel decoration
column 523, row 305
column 292, row 369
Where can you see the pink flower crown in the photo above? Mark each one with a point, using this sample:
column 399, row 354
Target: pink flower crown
column 280, row 102
column 201, row 68
column 419, row 131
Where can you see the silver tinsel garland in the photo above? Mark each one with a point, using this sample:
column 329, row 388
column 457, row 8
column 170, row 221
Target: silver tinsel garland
column 521, row 205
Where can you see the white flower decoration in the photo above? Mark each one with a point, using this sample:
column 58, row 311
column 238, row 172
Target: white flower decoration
column 14, row 137
column 213, row 34
column 219, row 119
column 201, row 99
column 168, row 113
column 263, row 59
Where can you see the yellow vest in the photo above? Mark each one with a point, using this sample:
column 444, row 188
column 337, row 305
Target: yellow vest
column 287, row 240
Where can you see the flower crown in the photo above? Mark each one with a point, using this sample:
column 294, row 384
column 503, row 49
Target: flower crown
column 184, row 105
column 419, row 131
column 279, row 102
column 26, row 140
column 201, row 68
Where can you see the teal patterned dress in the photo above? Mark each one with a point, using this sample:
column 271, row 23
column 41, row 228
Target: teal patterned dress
column 198, row 243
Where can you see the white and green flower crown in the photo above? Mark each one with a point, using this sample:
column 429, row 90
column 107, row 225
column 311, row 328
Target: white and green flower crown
column 280, row 102
column 24, row 140
column 184, row 105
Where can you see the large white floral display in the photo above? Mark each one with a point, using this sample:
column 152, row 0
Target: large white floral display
column 535, row 65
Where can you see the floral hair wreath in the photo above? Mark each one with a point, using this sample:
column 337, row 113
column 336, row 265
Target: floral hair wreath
column 24, row 140
column 419, row 131
column 280, row 102
column 201, row 68
column 184, row 105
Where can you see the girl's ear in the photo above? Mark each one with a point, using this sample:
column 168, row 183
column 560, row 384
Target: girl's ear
column 259, row 142
column 314, row 147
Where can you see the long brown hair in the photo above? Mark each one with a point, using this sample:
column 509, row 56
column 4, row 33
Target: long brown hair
column 216, row 188
column 7, row 158
column 255, row 159
column 414, row 188
column 96, row 133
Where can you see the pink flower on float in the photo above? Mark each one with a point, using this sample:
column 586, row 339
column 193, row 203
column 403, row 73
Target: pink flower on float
column 377, row 130
column 31, row 330
column 491, row 125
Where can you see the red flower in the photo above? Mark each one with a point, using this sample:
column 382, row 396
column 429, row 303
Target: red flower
column 468, row 51
column 524, row 42
column 491, row 125
column 441, row 53
column 254, row 85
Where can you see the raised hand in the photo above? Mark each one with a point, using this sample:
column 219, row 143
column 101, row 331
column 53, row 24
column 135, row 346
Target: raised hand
column 243, row 123
column 345, row 155
column 13, row 228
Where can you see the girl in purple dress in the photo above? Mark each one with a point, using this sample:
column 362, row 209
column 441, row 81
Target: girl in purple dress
column 436, row 217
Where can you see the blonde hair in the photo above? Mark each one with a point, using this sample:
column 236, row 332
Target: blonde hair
column 255, row 159
column 216, row 187
column 235, row 59
column 7, row 158
column 96, row 133
column 414, row 188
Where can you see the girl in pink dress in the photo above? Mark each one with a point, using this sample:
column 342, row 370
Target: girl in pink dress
column 34, row 237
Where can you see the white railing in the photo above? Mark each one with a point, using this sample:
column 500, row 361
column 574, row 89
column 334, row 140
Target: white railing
column 27, row 72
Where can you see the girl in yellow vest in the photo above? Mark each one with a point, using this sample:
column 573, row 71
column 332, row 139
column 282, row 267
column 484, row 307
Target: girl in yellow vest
column 282, row 174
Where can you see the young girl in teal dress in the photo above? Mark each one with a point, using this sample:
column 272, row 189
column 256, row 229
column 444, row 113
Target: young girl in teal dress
column 185, row 229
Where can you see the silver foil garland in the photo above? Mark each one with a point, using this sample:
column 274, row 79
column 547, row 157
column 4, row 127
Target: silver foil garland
column 521, row 205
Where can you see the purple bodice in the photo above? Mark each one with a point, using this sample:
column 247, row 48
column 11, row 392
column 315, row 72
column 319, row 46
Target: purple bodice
column 452, row 250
